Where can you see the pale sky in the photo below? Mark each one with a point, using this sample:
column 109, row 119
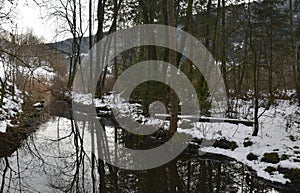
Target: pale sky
column 29, row 17
column 32, row 17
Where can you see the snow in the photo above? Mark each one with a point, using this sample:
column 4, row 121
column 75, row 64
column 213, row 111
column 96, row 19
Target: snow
column 40, row 72
column 12, row 102
column 277, row 124
column 112, row 101
column 38, row 104
column 45, row 72
column 11, row 108
column 3, row 126
column 12, row 105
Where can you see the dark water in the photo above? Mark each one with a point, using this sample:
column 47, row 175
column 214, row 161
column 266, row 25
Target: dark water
column 54, row 159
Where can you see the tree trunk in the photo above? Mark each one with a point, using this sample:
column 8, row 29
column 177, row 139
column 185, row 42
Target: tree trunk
column 173, row 61
column 295, row 48
column 223, row 53
column 91, row 43
column 99, row 36
column 208, row 23
column 255, row 77
column 216, row 32
column 271, row 67
column 114, row 29
column 189, row 26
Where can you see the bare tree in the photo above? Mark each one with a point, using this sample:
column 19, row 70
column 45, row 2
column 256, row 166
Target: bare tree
column 70, row 13
column 255, row 71
column 173, row 61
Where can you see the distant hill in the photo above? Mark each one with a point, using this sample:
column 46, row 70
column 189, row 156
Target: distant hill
column 65, row 46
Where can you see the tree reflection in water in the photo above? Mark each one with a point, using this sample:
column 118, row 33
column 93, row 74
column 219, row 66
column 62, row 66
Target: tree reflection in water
column 54, row 159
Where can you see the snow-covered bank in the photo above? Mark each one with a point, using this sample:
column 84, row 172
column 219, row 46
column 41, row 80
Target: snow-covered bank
column 12, row 105
column 32, row 78
column 11, row 98
column 279, row 134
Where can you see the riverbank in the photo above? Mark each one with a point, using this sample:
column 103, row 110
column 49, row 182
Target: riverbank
column 48, row 161
column 19, row 127
column 53, row 142
column 18, row 119
column 274, row 154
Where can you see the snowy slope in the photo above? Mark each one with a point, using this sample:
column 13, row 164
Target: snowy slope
column 12, row 104
column 277, row 125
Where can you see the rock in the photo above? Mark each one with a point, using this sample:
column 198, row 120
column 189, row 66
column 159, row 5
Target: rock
column 39, row 104
column 297, row 152
column 292, row 138
column 196, row 140
column 292, row 174
column 225, row 144
column 284, row 157
column 271, row 158
column 247, row 143
column 252, row 157
column 270, row 169
column 192, row 149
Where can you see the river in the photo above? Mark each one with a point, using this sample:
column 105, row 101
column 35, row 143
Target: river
column 54, row 159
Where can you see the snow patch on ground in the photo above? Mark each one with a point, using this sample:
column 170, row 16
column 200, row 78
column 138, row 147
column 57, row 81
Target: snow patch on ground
column 277, row 125
column 12, row 104
column 41, row 72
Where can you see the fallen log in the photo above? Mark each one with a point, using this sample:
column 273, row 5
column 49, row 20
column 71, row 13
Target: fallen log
column 210, row 119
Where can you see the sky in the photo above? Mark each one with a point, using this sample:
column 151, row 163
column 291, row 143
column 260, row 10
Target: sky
column 30, row 17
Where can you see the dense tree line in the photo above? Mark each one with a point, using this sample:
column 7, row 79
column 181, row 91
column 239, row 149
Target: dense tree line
column 255, row 43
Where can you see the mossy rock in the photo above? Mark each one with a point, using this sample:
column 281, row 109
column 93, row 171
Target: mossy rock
column 271, row 158
column 270, row 169
column 252, row 157
column 284, row 157
column 297, row 152
column 248, row 143
column 292, row 174
column 225, row 144
column 196, row 140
